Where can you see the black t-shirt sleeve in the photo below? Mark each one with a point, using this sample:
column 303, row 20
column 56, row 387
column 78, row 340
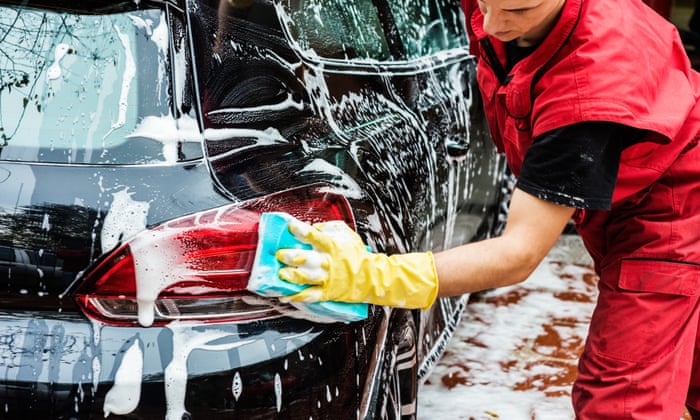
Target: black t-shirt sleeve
column 577, row 165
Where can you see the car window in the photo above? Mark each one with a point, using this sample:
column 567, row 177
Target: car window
column 7, row 254
column 382, row 30
column 429, row 26
column 85, row 88
column 338, row 29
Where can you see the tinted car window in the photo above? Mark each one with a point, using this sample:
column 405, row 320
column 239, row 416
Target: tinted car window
column 81, row 88
column 333, row 29
column 429, row 26
column 355, row 30
column 7, row 254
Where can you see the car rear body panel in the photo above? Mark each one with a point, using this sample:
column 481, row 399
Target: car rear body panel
column 78, row 213
column 61, row 366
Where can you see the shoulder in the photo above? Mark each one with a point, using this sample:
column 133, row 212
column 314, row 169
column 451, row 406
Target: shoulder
column 618, row 65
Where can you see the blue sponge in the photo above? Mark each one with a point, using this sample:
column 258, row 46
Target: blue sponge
column 273, row 234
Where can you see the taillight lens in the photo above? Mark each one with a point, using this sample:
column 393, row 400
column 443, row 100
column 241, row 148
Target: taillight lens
column 197, row 267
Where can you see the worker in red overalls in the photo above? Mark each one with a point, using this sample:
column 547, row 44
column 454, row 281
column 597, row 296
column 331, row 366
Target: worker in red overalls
column 594, row 104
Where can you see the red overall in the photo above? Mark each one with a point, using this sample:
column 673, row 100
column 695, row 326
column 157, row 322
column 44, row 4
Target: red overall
column 621, row 62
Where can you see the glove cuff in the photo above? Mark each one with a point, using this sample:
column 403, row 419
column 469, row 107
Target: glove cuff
column 432, row 280
column 417, row 275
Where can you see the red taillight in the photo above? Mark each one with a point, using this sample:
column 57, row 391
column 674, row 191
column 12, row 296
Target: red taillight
column 197, row 266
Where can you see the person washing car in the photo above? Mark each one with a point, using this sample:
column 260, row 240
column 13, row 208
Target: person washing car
column 595, row 106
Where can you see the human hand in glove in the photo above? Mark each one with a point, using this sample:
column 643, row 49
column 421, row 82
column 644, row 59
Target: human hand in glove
column 339, row 268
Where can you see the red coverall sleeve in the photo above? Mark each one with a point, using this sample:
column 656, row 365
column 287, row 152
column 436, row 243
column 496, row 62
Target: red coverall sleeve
column 468, row 7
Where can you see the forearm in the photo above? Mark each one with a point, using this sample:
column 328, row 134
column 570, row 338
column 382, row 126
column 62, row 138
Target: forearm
column 483, row 265
column 532, row 228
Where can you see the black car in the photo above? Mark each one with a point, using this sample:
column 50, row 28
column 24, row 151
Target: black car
column 139, row 143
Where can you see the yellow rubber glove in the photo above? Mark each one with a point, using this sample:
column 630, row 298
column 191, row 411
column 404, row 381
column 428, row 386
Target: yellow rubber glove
column 339, row 268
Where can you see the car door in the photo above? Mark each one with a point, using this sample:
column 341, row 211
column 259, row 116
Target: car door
column 374, row 98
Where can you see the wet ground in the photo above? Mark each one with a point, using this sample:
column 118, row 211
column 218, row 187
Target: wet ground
column 514, row 354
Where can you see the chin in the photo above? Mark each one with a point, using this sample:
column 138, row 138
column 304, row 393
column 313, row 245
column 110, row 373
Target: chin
column 505, row 36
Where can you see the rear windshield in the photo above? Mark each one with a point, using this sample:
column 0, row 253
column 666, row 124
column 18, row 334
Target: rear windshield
column 85, row 88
